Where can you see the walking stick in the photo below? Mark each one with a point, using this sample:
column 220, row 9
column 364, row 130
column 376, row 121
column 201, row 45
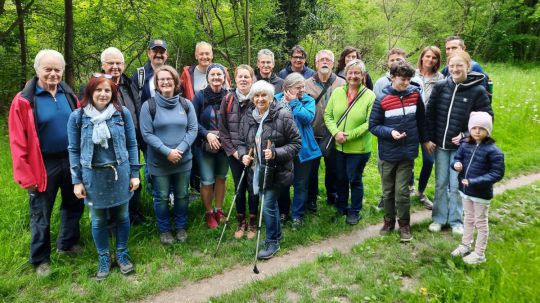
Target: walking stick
column 255, row 269
column 232, row 205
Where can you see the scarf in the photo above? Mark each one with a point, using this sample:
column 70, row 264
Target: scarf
column 165, row 102
column 258, row 147
column 285, row 103
column 213, row 98
column 101, row 132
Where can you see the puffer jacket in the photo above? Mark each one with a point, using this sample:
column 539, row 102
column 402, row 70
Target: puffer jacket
column 483, row 165
column 231, row 112
column 287, row 70
column 402, row 111
column 450, row 105
column 280, row 129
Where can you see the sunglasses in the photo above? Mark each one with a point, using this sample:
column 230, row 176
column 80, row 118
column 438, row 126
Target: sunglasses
column 100, row 75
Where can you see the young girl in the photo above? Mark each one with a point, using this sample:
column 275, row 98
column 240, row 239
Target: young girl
column 480, row 164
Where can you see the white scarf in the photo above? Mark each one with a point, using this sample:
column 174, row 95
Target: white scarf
column 101, row 132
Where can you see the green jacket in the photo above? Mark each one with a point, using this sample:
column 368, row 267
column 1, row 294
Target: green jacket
column 355, row 124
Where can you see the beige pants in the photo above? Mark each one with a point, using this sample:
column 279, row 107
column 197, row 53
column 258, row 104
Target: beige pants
column 476, row 215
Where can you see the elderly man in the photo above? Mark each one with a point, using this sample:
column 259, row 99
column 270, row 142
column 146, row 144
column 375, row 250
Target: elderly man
column 320, row 87
column 265, row 69
column 297, row 64
column 38, row 139
column 143, row 77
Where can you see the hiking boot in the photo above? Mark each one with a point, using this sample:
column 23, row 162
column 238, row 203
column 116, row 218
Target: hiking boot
column 181, row 235
column 388, row 227
column 270, row 249
column 220, row 217
column 43, row 270
column 457, row 230
column 461, row 251
column 405, row 231
column 297, row 223
column 211, row 220
column 72, row 251
column 166, row 238
column 239, row 233
column 474, row 258
column 122, row 259
column 435, row 227
column 427, row 203
column 352, row 218
column 104, row 267
column 252, row 227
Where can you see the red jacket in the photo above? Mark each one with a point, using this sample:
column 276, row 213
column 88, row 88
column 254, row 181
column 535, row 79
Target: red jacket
column 186, row 79
column 28, row 166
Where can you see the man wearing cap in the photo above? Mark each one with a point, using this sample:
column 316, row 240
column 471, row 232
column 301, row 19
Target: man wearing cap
column 298, row 64
column 144, row 76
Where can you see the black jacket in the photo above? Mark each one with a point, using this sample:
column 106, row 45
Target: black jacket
column 450, row 105
column 231, row 112
column 280, row 129
column 483, row 165
column 276, row 81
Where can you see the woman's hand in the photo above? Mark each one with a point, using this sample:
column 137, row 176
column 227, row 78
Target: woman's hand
column 289, row 96
column 396, row 135
column 465, row 182
column 79, row 191
column 430, row 147
column 246, row 160
column 134, row 184
column 268, row 154
column 341, row 137
column 213, row 140
column 174, row 156
column 457, row 138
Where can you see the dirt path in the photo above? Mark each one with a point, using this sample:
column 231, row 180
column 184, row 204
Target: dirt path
column 238, row 276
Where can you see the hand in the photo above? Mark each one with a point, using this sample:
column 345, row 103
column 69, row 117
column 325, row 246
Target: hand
column 31, row 187
column 213, row 140
column 396, row 135
column 246, row 160
column 134, row 184
column 456, row 139
column 79, row 191
column 174, row 156
column 465, row 182
column 236, row 155
column 341, row 137
column 289, row 96
column 458, row 166
column 430, row 147
column 268, row 154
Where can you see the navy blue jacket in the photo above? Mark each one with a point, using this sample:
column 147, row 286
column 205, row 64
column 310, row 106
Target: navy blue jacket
column 483, row 165
column 306, row 71
column 148, row 73
column 402, row 111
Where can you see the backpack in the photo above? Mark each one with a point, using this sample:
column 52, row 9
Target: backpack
column 230, row 98
column 152, row 106
column 141, row 76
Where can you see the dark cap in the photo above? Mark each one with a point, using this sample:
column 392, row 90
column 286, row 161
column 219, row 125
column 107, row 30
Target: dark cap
column 157, row 43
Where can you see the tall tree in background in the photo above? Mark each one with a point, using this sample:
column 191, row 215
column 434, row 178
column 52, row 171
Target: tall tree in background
column 22, row 42
column 68, row 42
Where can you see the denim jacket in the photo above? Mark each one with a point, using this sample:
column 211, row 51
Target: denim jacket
column 81, row 147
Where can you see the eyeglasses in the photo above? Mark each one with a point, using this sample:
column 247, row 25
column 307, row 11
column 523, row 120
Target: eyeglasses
column 100, row 75
column 165, row 80
column 325, row 60
column 114, row 63
column 298, row 58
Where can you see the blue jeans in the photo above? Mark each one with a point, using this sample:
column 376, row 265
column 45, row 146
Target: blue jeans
column 271, row 215
column 447, row 207
column 162, row 185
column 100, row 218
column 350, row 168
column 302, row 173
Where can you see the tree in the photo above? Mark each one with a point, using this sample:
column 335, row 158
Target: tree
column 68, row 42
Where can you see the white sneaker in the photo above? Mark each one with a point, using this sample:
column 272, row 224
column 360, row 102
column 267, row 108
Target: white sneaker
column 457, row 230
column 473, row 258
column 435, row 227
column 461, row 250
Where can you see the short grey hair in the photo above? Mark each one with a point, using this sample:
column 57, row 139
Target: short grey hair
column 356, row 63
column 111, row 51
column 48, row 53
column 262, row 86
column 325, row 51
column 203, row 43
column 292, row 80
column 265, row 52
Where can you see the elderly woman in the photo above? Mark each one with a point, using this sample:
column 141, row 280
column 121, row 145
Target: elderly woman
column 347, row 119
column 169, row 127
column 269, row 130
column 447, row 119
column 233, row 107
column 38, row 139
column 347, row 55
column 213, row 163
column 302, row 108
column 104, row 166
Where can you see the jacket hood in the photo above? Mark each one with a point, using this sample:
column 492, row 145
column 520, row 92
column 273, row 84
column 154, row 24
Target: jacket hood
column 259, row 77
column 389, row 90
column 473, row 78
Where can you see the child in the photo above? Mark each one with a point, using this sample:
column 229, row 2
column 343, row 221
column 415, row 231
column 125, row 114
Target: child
column 397, row 119
column 480, row 163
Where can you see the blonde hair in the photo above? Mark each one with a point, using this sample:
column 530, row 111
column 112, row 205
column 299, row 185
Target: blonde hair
column 463, row 55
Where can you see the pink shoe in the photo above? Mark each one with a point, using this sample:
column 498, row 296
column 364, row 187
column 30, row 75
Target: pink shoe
column 211, row 220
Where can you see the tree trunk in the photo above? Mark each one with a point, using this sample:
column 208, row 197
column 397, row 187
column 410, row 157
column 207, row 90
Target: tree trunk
column 68, row 43
column 247, row 35
column 22, row 42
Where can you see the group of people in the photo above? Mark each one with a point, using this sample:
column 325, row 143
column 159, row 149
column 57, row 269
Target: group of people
column 271, row 130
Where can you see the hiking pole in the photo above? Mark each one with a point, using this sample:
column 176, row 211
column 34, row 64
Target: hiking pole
column 232, row 205
column 255, row 269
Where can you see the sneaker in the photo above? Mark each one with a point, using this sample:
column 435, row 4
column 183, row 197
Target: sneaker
column 427, row 203
column 435, row 227
column 211, row 220
column 166, row 238
column 473, row 258
column 126, row 267
column 72, row 251
column 461, row 251
column 457, row 230
column 352, row 218
column 181, row 235
column 220, row 217
column 405, row 234
column 297, row 223
column 388, row 227
column 104, row 267
column 270, row 249
column 43, row 270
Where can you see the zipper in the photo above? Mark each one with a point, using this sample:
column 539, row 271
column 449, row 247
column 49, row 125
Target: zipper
column 468, row 166
column 448, row 116
column 402, row 108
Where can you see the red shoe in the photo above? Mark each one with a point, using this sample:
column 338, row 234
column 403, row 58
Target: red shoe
column 211, row 221
column 219, row 216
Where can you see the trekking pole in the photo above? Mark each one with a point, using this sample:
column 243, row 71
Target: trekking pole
column 232, row 205
column 255, row 269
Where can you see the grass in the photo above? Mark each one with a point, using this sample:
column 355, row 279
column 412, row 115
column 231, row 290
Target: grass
column 384, row 270
column 159, row 268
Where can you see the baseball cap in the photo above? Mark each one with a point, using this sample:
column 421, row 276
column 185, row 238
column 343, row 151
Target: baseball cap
column 157, row 43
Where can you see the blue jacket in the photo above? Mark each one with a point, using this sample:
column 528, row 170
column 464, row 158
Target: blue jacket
column 303, row 112
column 401, row 111
column 81, row 147
column 306, row 71
column 483, row 165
